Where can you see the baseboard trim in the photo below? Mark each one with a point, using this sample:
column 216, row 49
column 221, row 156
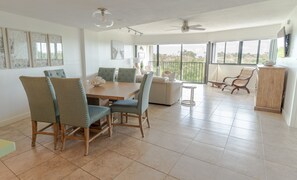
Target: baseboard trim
column 14, row 119
column 286, row 117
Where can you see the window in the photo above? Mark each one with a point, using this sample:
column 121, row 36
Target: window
column 241, row 52
column 169, row 57
column 249, row 52
column 193, row 62
column 231, row 54
column 219, row 52
column 264, row 51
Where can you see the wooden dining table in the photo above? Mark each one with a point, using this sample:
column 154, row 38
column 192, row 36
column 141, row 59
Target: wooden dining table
column 113, row 90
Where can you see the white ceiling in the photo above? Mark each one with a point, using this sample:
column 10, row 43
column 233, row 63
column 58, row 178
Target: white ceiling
column 156, row 16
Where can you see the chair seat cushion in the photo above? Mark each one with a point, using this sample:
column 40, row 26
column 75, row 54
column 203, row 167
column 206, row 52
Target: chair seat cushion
column 128, row 102
column 129, row 106
column 97, row 112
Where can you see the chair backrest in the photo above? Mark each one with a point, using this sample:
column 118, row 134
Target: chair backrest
column 41, row 98
column 72, row 102
column 144, row 91
column 55, row 73
column 127, row 75
column 108, row 74
column 246, row 72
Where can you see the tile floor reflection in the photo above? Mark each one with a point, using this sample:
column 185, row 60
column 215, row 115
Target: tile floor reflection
column 222, row 137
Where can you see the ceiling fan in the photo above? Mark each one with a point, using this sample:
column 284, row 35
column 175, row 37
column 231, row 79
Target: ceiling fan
column 185, row 27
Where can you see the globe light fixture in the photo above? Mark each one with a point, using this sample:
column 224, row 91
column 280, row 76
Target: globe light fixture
column 102, row 18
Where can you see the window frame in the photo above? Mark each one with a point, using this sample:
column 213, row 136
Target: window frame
column 240, row 48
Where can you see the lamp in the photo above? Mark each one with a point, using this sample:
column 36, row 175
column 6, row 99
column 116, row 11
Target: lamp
column 136, row 62
column 102, row 18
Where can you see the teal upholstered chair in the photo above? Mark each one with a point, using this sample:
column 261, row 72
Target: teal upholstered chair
column 108, row 74
column 43, row 106
column 133, row 106
column 75, row 112
column 55, row 73
column 127, row 75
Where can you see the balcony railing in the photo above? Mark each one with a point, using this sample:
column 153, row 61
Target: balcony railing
column 191, row 71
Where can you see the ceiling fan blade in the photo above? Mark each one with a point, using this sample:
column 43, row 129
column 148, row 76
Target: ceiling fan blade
column 175, row 26
column 197, row 28
column 194, row 26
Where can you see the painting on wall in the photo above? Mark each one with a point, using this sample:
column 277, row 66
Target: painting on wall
column 2, row 50
column 39, row 49
column 18, row 48
column 56, row 50
column 117, row 50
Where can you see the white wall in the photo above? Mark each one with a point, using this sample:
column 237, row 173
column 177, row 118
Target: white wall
column 98, row 50
column 290, row 101
column 13, row 103
column 264, row 32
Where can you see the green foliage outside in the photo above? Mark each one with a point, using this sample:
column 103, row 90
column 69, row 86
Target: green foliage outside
column 193, row 66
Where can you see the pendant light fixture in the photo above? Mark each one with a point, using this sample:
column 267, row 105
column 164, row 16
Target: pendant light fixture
column 102, row 18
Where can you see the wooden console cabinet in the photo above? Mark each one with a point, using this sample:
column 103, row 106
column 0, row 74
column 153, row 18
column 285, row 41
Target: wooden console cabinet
column 270, row 88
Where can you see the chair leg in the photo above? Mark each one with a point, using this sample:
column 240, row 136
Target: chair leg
column 63, row 138
column 56, row 126
column 34, row 131
column 233, row 90
column 247, row 90
column 121, row 118
column 224, row 87
column 87, row 137
column 126, row 117
column 140, row 125
column 147, row 118
column 109, row 117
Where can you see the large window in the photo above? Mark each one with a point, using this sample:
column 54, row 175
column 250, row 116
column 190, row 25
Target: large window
column 187, row 61
column 249, row 52
column 231, row 53
column 219, row 55
column 264, row 51
column 241, row 52
column 170, row 58
column 193, row 62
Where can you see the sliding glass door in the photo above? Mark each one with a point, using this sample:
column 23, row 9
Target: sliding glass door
column 193, row 62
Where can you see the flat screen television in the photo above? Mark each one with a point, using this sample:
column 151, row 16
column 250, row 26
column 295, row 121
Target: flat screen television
column 282, row 43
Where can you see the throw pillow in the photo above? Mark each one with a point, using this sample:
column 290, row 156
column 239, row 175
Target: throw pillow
column 170, row 75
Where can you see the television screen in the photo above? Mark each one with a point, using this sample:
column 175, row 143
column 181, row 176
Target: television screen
column 281, row 43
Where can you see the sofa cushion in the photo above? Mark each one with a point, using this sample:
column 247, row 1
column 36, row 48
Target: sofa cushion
column 155, row 79
column 160, row 79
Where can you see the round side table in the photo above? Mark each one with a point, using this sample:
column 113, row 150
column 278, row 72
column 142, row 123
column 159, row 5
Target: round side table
column 190, row 102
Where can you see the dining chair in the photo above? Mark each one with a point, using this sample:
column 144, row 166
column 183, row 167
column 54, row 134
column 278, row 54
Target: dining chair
column 43, row 106
column 127, row 75
column 137, row 106
column 60, row 73
column 75, row 112
column 108, row 74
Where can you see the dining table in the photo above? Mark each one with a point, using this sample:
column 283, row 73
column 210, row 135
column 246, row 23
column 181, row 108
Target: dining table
column 112, row 90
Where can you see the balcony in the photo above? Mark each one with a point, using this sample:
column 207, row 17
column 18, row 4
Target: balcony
column 193, row 72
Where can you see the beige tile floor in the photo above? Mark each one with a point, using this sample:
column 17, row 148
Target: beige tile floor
column 221, row 138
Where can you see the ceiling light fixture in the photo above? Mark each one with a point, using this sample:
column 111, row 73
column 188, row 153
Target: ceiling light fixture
column 102, row 18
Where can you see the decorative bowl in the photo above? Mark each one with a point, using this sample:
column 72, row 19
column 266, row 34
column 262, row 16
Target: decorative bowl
column 97, row 81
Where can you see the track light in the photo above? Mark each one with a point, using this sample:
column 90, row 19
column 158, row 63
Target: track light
column 134, row 31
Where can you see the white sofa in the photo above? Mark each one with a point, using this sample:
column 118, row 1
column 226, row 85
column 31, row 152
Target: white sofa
column 164, row 91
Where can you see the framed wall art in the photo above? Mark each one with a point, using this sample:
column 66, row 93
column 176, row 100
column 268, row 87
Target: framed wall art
column 3, row 63
column 117, row 50
column 56, row 50
column 18, row 48
column 39, row 49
